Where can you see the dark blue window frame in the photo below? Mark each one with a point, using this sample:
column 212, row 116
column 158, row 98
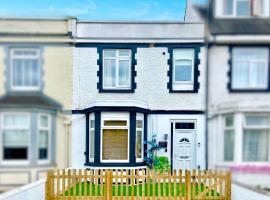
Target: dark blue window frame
column 230, row 62
column 196, row 85
column 133, row 84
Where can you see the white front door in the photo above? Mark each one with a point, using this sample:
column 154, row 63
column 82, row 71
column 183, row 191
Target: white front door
column 183, row 150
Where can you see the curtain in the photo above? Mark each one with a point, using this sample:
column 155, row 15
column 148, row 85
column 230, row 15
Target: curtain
column 255, row 145
column 229, row 145
column 109, row 73
column 139, row 144
column 124, row 73
column 115, row 144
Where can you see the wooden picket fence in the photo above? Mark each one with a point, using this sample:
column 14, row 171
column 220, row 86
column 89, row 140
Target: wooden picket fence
column 137, row 184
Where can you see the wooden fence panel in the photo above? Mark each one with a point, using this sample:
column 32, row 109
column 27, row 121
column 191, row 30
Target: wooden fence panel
column 137, row 184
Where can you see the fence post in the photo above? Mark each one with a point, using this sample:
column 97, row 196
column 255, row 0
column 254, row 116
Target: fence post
column 47, row 186
column 187, row 185
column 108, row 188
column 228, row 186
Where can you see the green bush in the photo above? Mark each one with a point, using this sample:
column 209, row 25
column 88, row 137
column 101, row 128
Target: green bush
column 162, row 164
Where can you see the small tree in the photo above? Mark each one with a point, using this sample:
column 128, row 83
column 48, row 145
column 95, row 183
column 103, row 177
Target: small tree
column 151, row 158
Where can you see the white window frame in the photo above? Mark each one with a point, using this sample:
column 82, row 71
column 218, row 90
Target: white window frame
column 117, row 58
column 15, row 161
column 183, row 85
column 266, row 68
column 22, row 57
column 225, row 128
column 252, row 127
column 91, row 117
column 114, row 117
column 40, row 128
column 140, row 117
column 219, row 8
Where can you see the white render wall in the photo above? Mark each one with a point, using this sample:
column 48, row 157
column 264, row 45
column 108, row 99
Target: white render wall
column 161, row 124
column 220, row 100
column 151, row 79
column 78, row 141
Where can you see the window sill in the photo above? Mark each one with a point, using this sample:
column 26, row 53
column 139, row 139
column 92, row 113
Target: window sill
column 183, row 91
column 249, row 90
column 116, row 91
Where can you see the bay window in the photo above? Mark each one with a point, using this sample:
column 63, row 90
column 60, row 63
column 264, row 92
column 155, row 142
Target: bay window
column 15, row 136
column 253, row 133
column 183, row 69
column 250, row 68
column 116, row 69
column 115, row 138
column 25, row 69
column 139, row 137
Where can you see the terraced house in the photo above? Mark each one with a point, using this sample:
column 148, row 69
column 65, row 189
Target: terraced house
column 239, row 85
column 35, row 89
column 133, row 80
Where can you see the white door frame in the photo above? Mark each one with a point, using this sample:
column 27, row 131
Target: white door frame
column 194, row 154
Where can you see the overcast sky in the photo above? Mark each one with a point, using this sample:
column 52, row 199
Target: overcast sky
column 96, row 9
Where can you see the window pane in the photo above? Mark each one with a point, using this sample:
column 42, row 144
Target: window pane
column 257, row 120
column 15, row 144
column 115, row 144
column 110, row 53
column 17, row 73
column 240, row 74
column 34, row 73
column 139, row 139
column 243, row 8
column 43, row 144
column 109, row 77
column 255, row 145
column 183, row 70
column 229, row 121
column 27, row 73
column 258, row 71
column 92, row 123
column 258, row 7
column 228, row 145
column 124, row 72
column 228, row 7
column 115, row 123
column 124, row 52
column 44, row 121
column 138, row 123
column 92, row 143
column 14, row 121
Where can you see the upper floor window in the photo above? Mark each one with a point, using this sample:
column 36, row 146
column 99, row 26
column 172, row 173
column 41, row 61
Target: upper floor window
column 243, row 8
column 183, row 69
column 250, row 68
column 117, row 69
column 25, row 69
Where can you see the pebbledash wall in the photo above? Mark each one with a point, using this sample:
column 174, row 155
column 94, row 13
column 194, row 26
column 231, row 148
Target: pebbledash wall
column 151, row 93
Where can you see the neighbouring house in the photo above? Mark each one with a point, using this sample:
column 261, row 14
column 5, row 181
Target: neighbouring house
column 132, row 80
column 36, row 92
column 238, row 44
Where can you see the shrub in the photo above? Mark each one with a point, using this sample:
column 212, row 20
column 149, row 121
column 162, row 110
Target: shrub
column 162, row 164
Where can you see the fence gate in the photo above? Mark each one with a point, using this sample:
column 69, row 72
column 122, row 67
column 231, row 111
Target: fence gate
column 137, row 184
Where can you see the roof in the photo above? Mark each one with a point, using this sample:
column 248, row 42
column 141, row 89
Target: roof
column 233, row 26
column 32, row 101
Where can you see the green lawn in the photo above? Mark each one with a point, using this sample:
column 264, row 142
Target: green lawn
column 129, row 190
